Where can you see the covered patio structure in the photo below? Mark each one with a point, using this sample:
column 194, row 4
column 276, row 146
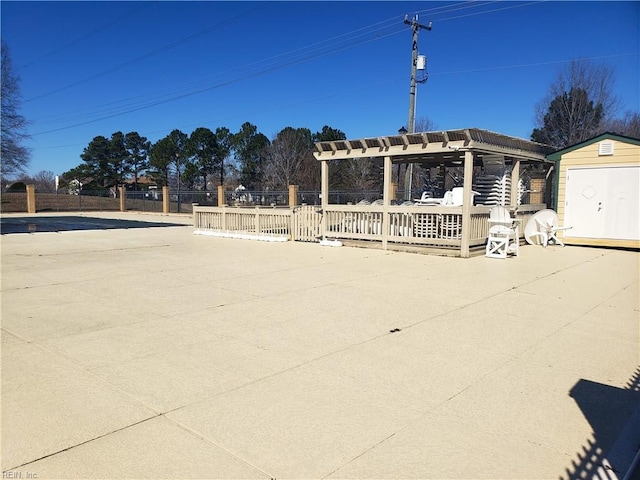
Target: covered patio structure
column 490, row 164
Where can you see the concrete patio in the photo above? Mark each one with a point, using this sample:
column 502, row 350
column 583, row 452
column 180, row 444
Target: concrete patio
column 157, row 353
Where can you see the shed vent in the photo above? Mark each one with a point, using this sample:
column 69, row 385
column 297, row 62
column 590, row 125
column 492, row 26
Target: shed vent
column 605, row 148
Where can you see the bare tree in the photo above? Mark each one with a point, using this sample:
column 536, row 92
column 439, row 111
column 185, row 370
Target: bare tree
column 45, row 181
column 289, row 153
column 579, row 102
column 629, row 125
column 15, row 156
column 424, row 124
column 412, row 173
column 360, row 173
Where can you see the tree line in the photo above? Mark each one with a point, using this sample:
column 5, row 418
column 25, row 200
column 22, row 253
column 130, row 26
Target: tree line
column 204, row 159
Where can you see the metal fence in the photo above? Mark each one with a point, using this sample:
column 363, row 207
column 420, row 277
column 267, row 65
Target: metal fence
column 85, row 200
column 179, row 201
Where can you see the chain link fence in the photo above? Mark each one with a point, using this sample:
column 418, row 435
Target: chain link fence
column 179, row 201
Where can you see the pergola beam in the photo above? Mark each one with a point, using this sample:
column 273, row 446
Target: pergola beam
column 418, row 145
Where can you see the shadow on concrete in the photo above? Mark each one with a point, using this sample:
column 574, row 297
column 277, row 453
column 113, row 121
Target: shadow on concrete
column 69, row 223
column 614, row 416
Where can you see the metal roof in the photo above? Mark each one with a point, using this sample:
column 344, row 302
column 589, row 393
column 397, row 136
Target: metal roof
column 428, row 146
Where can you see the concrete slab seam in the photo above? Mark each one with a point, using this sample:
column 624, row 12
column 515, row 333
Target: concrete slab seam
column 82, row 443
column 208, row 441
column 372, row 447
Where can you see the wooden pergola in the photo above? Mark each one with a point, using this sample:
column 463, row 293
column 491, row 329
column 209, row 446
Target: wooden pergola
column 449, row 147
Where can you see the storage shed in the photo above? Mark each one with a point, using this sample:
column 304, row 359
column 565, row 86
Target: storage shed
column 598, row 191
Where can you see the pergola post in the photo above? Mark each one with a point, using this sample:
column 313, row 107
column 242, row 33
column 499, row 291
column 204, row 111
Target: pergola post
column 467, row 202
column 386, row 200
column 324, row 192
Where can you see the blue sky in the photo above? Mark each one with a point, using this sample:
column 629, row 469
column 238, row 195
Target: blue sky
column 94, row 68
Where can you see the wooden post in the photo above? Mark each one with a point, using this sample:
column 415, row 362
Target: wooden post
column 31, row 199
column 165, row 200
column 293, row 195
column 122, row 198
column 324, row 172
column 256, row 223
column 467, row 201
column 388, row 192
column 221, row 195
column 224, row 218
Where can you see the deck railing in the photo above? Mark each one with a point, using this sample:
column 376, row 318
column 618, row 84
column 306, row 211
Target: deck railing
column 274, row 223
column 413, row 225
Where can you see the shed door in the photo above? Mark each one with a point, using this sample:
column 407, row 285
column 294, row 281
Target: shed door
column 603, row 203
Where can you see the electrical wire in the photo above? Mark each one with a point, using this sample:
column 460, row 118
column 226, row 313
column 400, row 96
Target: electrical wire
column 302, row 50
column 146, row 55
column 314, row 51
column 351, row 91
column 493, row 11
column 536, row 64
column 143, row 106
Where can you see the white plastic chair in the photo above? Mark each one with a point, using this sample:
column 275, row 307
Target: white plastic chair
column 455, row 197
column 426, row 199
column 447, row 200
column 504, row 234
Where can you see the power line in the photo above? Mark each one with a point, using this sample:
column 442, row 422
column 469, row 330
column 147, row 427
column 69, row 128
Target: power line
column 535, row 64
column 493, row 11
column 293, row 57
column 146, row 55
column 332, row 45
column 389, row 22
column 254, row 112
column 243, row 73
column 377, row 84
column 144, row 106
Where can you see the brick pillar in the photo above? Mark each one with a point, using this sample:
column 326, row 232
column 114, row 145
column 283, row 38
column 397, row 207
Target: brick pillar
column 221, row 195
column 293, row 195
column 165, row 200
column 31, row 199
column 122, row 198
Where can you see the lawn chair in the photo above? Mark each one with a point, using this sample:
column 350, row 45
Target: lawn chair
column 427, row 199
column 504, row 234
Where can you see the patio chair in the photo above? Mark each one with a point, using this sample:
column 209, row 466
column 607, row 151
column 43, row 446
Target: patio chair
column 455, row 196
column 427, row 199
column 504, row 234
column 542, row 228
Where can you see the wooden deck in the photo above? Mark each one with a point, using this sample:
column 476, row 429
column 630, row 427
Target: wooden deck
column 428, row 229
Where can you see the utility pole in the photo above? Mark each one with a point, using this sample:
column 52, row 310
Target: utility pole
column 415, row 27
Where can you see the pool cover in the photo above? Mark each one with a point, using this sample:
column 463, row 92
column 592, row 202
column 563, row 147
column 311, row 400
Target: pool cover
column 68, row 223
